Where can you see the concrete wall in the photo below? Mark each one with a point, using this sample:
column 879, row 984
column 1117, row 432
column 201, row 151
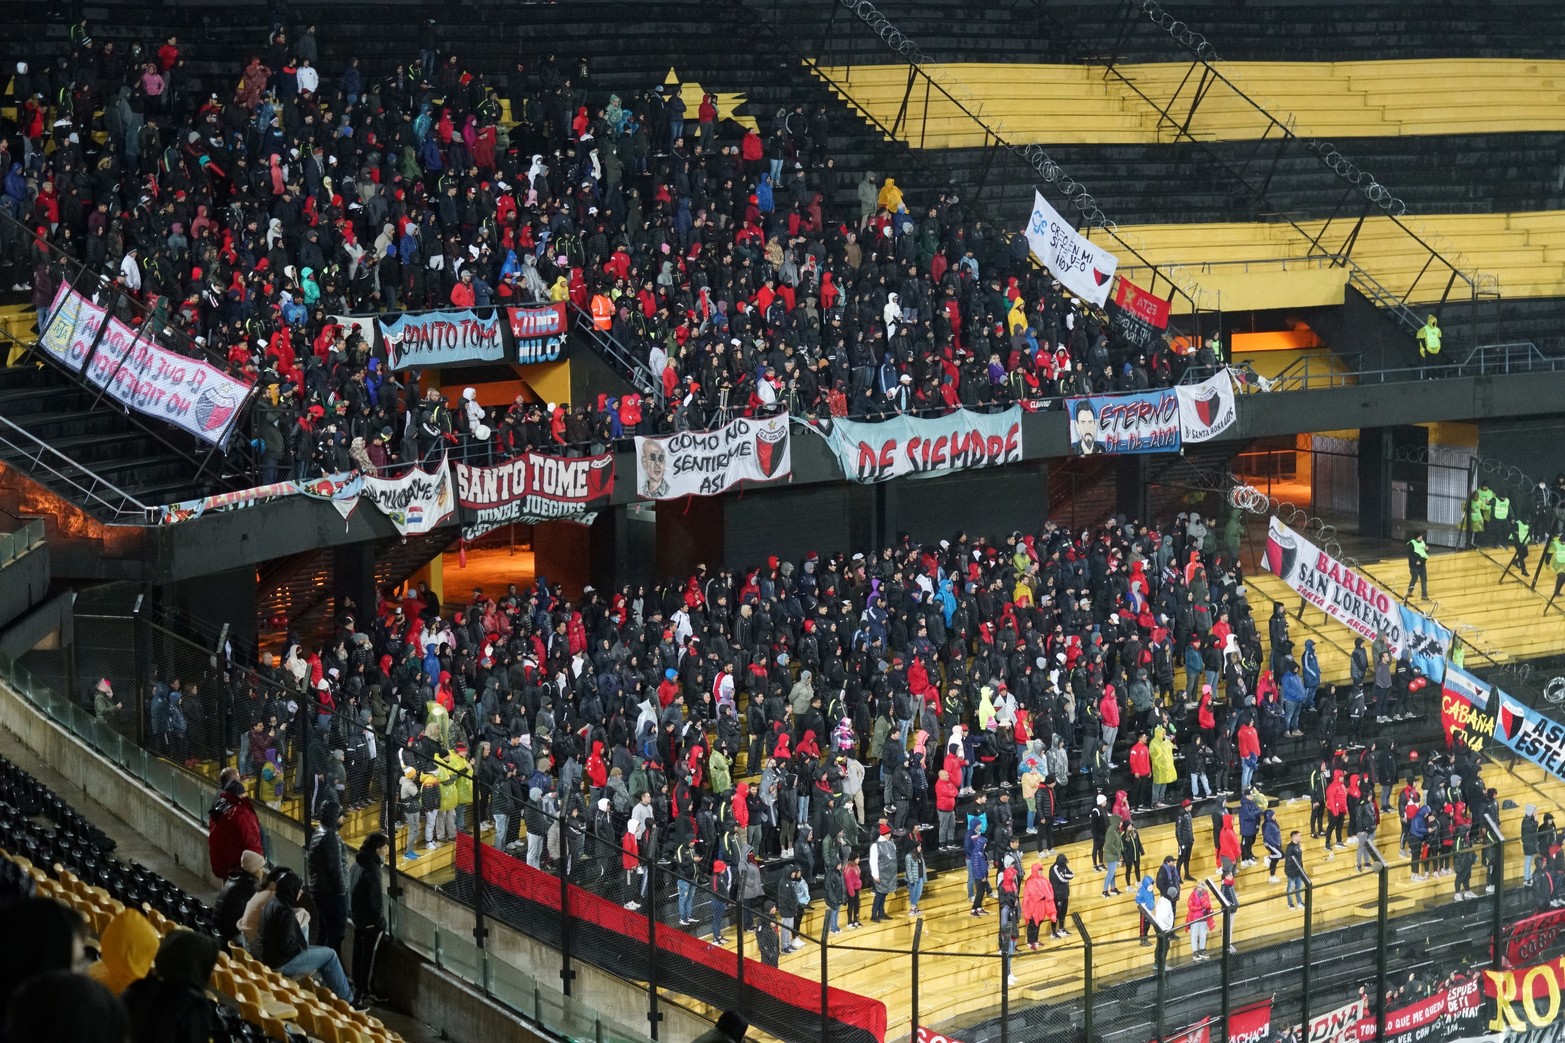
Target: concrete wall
column 430, row 994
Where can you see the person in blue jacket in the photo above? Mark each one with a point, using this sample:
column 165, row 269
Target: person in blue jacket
column 1271, row 839
column 976, row 848
column 1249, row 826
column 1294, row 695
column 1309, row 672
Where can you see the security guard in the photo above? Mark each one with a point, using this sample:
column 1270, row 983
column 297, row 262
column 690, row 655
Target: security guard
column 1519, row 543
column 1417, row 566
column 1502, row 518
column 1429, row 340
column 602, row 312
column 1554, row 555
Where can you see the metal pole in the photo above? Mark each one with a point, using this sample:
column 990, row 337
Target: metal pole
column 139, row 664
column 1005, row 997
column 1498, row 882
column 393, row 884
column 1309, row 930
column 825, row 989
column 651, row 911
column 567, row 975
column 1381, row 941
column 480, row 931
column 1228, row 952
column 1162, row 981
column 1086, row 974
column 918, row 938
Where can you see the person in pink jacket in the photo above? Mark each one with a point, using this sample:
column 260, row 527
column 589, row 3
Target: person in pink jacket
column 1108, row 710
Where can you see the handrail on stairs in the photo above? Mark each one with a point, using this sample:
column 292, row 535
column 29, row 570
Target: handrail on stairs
column 39, row 455
column 621, row 357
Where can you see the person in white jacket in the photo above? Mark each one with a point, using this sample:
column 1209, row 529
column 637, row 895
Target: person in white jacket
column 1163, row 918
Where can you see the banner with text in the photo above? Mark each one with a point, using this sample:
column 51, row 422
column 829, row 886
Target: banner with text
column 1146, row 422
column 416, row 502
column 1332, row 587
column 706, row 463
column 1251, row 1023
column 1338, row 1026
column 539, row 331
column 1465, row 710
column 140, row 374
column 533, row 488
column 1526, row 1004
column 1206, row 409
column 1082, row 266
column 440, row 338
column 1453, row 1010
column 1136, row 315
column 924, row 447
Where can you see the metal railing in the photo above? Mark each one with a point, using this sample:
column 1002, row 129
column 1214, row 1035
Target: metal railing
column 619, row 356
column 33, row 455
column 14, row 544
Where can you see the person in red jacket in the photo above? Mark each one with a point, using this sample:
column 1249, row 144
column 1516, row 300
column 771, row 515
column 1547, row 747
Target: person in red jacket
column 1249, row 752
column 1336, row 811
column 232, row 829
column 1227, row 843
column 1140, row 774
column 630, row 861
column 1108, row 710
column 945, row 807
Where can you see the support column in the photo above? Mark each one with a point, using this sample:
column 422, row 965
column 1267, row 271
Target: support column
column 353, row 571
column 1130, row 485
column 563, row 552
column 1375, row 482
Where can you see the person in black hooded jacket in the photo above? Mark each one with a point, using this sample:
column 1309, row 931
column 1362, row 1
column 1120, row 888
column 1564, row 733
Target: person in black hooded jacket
column 170, row 1005
column 367, row 905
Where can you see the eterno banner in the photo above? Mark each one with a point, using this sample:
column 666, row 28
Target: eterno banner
column 139, row 373
column 706, row 463
column 533, row 488
column 924, row 448
column 443, row 337
column 1146, row 422
column 539, row 331
column 416, row 502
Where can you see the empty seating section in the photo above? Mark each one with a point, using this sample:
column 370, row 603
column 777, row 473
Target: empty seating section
column 1524, row 251
column 68, row 860
column 1056, row 104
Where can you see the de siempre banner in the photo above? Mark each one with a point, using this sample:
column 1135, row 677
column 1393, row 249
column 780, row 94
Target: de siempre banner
column 1206, row 409
column 1082, row 266
column 1145, row 422
column 416, row 502
column 1465, row 711
column 533, row 488
column 141, row 374
column 924, row 447
column 441, row 337
column 706, row 463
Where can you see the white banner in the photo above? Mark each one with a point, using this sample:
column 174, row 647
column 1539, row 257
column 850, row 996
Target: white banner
column 1082, row 266
column 139, row 373
column 1332, row 587
column 705, row 463
column 416, row 502
column 1206, row 409
column 924, row 447
column 1338, row 1026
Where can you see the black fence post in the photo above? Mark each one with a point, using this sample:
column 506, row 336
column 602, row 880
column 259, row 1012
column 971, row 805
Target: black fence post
column 654, row 1016
column 567, row 975
column 1309, row 931
column 1228, row 952
column 1162, row 981
column 224, row 704
column 1086, row 978
column 306, row 727
column 1497, row 883
column 480, row 929
column 392, row 805
column 825, row 977
column 1005, row 997
column 918, row 939
column 139, row 664
column 1381, row 941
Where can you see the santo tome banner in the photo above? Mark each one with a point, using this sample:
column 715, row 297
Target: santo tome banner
column 1082, row 266
column 439, row 338
column 533, row 488
column 1145, row 422
column 924, row 447
column 706, row 463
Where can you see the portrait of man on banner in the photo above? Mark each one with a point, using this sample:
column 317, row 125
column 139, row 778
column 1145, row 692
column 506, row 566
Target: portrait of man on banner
column 654, row 470
column 1084, row 429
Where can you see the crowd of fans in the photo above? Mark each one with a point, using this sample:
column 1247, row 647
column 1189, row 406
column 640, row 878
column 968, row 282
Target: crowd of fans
column 246, row 220
column 840, row 717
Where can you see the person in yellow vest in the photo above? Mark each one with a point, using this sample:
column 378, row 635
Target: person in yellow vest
column 1429, row 342
column 1417, row 566
column 1485, row 498
column 1554, row 556
column 602, row 312
column 445, row 824
column 462, row 768
column 1500, row 513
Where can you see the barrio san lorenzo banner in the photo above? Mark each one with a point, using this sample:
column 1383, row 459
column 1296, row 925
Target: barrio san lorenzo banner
column 706, row 463
column 441, row 337
column 533, row 488
column 1146, row 422
column 1082, row 266
column 139, row 373
column 924, row 447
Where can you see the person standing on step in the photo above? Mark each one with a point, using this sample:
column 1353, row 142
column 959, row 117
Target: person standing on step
column 1184, row 836
column 1198, row 921
column 1060, row 878
column 1521, row 535
column 883, row 872
column 1428, row 337
column 367, row 904
column 1417, row 566
column 328, row 866
column 1293, row 868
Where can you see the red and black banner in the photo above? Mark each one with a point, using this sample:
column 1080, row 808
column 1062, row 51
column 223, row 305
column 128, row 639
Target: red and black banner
column 615, row 939
column 1136, row 315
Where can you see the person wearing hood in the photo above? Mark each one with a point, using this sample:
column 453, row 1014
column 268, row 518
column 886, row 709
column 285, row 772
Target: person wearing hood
column 1227, row 842
column 1294, row 692
column 283, row 946
column 170, row 1005
column 1164, row 772
column 1038, row 905
column 232, row 829
column 1271, row 839
column 1146, row 902
column 367, row 903
column 1249, row 826
column 890, row 197
column 128, row 947
column 238, row 889
column 891, row 314
column 1198, row 921
column 1336, row 811
column 328, row 867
